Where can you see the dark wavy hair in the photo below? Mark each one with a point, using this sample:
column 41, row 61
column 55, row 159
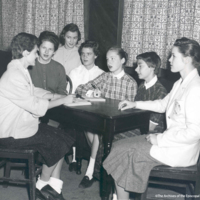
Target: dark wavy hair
column 49, row 36
column 21, row 42
column 90, row 44
column 152, row 59
column 69, row 27
column 120, row 52
column 191, row 48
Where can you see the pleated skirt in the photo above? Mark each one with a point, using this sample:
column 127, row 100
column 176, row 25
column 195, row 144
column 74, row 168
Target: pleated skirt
column 130, row 163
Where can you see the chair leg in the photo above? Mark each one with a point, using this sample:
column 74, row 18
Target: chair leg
column 197, row 189
column 32, row 183
column 7, row 173
column 142, row 196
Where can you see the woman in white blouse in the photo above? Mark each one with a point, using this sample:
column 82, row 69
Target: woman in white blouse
column 132, row 159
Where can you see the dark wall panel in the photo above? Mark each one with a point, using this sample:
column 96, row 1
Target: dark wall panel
column 103, row 26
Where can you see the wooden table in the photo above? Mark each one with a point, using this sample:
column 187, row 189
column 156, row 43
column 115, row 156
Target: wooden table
column 103, row 118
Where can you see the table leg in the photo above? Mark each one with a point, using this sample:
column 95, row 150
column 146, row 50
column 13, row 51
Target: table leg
column 107, row 180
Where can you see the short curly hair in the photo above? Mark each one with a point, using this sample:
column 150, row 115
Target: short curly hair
column 51, row 37
column 69, row 27
column 90, row 44
column 21, row 42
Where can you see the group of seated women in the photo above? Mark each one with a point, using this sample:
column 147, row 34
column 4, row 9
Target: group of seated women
column 35, row 83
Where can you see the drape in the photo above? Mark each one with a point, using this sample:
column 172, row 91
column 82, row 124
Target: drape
column 35, row 16
column 154, row 25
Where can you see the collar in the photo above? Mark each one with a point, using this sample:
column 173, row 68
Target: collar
column 189, row 78
column 151, row 82
column 120, row 75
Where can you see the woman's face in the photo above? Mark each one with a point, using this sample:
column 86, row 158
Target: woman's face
column 114, row 62
column 71, row 39
column 177, row 60
column 88, row 57
column 46, row 51
column 32, row 56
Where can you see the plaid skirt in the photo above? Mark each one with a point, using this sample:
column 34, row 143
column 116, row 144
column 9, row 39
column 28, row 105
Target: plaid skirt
column 130, row 163
column 51, row 143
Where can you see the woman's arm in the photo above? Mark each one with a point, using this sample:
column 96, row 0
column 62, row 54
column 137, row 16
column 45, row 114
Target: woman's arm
column 186, row 119
column 82, row 89
column 60, row 101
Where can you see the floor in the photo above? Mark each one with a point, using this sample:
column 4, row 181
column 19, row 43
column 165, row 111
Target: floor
column 72, row 192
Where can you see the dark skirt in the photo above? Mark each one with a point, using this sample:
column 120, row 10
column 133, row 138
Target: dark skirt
column 130, row 163
column 51, row 143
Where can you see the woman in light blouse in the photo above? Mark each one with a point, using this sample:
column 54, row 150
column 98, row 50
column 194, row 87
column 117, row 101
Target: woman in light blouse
column 21, row 106
column 132, row 159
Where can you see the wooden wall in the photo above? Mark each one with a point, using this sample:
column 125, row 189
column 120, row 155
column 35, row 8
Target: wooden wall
column 103, row 23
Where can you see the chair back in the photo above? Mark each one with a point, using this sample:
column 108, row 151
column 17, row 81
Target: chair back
column 69, row 81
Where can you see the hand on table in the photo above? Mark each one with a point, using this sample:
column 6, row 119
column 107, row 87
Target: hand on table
column 123, row 105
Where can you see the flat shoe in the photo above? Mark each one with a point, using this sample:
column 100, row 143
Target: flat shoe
column 39, row 195
column 50, row 194
column 72, row 166
column 86, row 182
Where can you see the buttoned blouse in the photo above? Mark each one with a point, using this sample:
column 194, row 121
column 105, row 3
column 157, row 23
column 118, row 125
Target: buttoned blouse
column 81, row 75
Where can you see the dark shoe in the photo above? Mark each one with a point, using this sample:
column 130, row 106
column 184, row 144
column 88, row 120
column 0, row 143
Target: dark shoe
column 86, row 182
column 72, row 166
column 39, row 195
column 49, row 193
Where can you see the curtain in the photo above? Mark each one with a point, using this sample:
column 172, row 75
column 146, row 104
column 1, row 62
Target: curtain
column 35, row 16
column 154, row 25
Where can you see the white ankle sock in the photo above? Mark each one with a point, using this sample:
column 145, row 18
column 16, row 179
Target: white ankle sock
column 114, row 196
column 90, row 168
column 40, row 183
column 74, row 154
column 56, row 184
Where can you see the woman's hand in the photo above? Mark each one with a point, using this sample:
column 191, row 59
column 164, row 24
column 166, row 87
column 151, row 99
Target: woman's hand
column 123, row 105
column 152, row 138
column 69, row 99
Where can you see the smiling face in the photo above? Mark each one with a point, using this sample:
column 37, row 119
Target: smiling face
column 46, row 51
column 144, row 71
column 71, row 39
column 177, row 60
column 88, row 57
column 114, row 62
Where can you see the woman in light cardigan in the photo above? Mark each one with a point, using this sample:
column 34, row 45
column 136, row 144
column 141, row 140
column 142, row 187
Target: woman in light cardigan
column 132, row 159
column 21, row 106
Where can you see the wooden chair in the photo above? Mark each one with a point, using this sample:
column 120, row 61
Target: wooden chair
column 186, row 177
column 70, row 83
column 14, row 158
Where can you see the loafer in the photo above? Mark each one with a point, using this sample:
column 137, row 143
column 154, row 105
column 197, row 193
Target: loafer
column 50, row 194
column 39, row 195
column 73, row 166
column 86, row 182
